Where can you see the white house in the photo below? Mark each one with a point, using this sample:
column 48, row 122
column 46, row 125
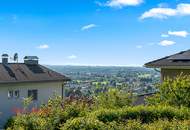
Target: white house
column 28, row 79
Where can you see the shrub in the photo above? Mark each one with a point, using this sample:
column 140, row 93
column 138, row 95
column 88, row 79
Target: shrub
column 168, row 125
column 145, row 114
column 174, row 92
column 113, row 98
column 53, row 114
column 129, row 125
column 28, row 122
column 84, row 124
column 62, row 110
column 94, row 124
column 74, row 114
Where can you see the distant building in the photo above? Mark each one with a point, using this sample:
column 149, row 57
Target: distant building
column 172, row 65
column 28, row 79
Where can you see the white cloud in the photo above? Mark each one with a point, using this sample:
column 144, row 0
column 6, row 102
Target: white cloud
column 121, row 3
column 164, row 35
column 89, row 26
column 178, row 33
column 72, row 57
column 139, row 46
column 159, row 13
column 166, row 43
column 44, row 46
column 163, row 13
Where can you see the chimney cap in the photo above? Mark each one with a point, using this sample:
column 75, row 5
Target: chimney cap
column 31, row 58
column 5, row 55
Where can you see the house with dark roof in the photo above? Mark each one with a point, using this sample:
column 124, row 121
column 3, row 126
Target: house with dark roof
column 173, row 65
column 27, row 79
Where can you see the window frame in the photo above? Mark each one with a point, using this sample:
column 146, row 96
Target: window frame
column 16, row 94
column 10, row 94
column 33, row 93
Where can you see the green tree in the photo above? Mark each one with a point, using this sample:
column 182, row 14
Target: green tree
column 113, row 98
column 173, row 92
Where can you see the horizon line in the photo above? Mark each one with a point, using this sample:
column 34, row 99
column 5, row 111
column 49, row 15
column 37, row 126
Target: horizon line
column 89, row 65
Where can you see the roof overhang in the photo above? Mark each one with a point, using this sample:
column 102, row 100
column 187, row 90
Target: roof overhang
column 40, row 81
column 167, row 67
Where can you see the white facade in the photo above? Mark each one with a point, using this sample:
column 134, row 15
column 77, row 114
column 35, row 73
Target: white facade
column 7, row 104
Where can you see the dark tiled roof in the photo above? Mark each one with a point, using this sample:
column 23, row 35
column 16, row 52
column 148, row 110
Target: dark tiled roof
column 20, row 72
column 181, row 59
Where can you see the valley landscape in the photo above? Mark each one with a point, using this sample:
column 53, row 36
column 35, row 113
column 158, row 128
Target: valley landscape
column 95, row 64
column 92, row 79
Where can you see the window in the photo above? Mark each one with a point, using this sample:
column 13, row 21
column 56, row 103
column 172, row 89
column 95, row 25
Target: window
column 33, row 94
column 17, row 94
column 10, row 94
column 13, row 94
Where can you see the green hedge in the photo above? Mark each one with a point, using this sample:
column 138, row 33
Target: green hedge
column 94, row 124
column 145, row 114
column 74, row 118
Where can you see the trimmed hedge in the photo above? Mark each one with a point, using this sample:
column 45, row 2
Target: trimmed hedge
column 93, row 124
column 146, row 114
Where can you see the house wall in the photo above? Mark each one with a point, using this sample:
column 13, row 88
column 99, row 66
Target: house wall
column 45, row 90
column 172, row 73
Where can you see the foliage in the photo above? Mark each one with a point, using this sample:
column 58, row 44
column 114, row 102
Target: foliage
column 157, row 125
column 84, row 124
column 173, row 92
column 168, row 125
column 51, row 115
column 73, row 117
column 27, row 102
column 93, row 124
column 111, row 110
column 146, row 114
column 113, row 98
column 28, row 122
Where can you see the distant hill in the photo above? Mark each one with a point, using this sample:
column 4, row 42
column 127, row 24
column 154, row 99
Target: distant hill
column 75, row 71
column 96, row 69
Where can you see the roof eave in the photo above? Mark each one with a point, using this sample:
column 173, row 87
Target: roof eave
column 151, row 66
column 167, row 66
column 40, row 81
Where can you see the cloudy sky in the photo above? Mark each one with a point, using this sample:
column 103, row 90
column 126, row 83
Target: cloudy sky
column 94, row 32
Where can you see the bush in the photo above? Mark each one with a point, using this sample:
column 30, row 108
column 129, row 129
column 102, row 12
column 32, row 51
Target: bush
column 53, row 114
column 94, row 124
column 175, row 92
column 168, row 125
column 28, row 122
column 129, row 125
column 113, row 98
column 84, row 124
column 146, row 114
column 80, row 113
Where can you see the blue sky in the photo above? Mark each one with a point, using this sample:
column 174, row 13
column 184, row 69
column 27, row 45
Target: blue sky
column 94, row 32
